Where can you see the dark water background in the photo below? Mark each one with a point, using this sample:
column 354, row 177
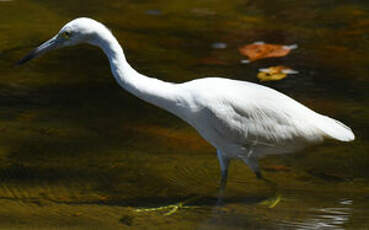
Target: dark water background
column 78, row 152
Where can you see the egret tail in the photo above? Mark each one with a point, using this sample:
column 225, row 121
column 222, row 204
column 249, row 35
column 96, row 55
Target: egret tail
column 335, row 129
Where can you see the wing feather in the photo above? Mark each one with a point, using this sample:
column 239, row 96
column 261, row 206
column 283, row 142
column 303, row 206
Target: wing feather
column 261, row 118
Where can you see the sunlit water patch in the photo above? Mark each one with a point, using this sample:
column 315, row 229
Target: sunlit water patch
column 324, row 218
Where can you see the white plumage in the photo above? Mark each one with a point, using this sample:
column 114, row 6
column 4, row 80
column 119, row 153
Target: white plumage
column 240, row 119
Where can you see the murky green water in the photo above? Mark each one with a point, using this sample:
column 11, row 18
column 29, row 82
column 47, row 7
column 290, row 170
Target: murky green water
column 77, row 152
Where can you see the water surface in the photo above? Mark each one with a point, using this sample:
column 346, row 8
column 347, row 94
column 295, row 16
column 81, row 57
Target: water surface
column 78, row 152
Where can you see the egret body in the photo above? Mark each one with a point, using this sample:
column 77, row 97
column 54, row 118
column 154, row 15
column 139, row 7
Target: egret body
column 242, row 120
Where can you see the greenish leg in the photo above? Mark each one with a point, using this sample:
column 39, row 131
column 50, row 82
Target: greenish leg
column 172, row 208
column 276, row 198
column 253, row 164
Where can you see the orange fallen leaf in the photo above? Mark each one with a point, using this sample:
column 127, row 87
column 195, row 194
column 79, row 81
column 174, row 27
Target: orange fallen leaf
column 274, row 73
column 260, row 50
column 271, row 77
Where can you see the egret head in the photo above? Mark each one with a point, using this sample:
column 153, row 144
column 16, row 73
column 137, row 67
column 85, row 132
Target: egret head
column 80, row 30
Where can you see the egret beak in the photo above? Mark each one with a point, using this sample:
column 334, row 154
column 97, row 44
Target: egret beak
column 51, row 44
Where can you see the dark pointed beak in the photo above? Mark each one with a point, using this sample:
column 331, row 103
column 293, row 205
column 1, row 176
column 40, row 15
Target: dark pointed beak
column 43, row 48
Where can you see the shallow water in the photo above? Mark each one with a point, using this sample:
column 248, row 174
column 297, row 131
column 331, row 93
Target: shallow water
column 77, row 152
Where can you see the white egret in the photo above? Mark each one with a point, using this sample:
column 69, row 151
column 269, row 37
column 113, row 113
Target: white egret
column 242, row 120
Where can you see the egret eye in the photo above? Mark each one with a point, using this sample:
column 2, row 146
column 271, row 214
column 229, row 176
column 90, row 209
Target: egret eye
column 66, row 34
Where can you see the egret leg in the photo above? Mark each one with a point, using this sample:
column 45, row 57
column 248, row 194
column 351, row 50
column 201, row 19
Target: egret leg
column 254, row 165
column 224, row 165
column 172, row 208
column 252, row 162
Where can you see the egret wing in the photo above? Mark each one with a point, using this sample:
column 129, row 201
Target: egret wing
column 258, row 118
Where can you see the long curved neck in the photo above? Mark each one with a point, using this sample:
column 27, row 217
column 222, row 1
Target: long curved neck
column 154, row 91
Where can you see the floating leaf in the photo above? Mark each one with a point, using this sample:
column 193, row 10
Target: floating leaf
column 271, row 77
column 260, row 50
column 275, row 73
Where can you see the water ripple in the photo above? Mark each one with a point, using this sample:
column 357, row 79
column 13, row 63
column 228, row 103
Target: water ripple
column 324, row 218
